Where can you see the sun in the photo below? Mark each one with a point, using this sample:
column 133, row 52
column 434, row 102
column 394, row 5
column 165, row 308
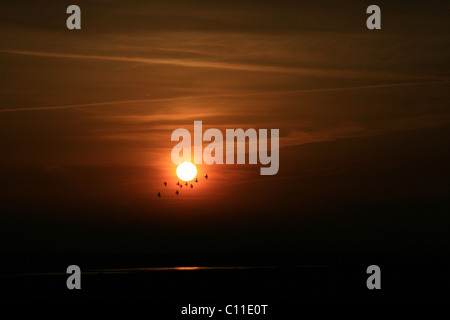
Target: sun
column 186, row 171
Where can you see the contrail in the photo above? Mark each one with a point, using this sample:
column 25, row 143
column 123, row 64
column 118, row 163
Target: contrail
column 229, row 95
column 94, row 104
column 194, row 63
column 177, row 62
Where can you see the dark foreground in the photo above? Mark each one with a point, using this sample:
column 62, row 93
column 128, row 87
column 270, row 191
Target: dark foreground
column 256, row 279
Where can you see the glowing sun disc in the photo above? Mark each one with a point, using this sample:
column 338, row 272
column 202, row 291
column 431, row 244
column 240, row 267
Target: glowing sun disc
column 186, row 171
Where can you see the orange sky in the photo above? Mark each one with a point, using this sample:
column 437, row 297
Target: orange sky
column 86, row 118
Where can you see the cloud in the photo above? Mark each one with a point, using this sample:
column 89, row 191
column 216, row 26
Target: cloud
column 197, row 64
column 227, row 95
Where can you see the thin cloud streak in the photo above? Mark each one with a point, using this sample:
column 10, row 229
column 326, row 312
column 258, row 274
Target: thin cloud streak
column 229, row 95
column 197, row 64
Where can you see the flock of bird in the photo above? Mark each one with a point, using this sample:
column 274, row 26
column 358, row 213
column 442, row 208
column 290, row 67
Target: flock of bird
column 180, row 185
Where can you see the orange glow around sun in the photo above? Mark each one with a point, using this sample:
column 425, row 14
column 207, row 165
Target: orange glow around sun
column 186, row 171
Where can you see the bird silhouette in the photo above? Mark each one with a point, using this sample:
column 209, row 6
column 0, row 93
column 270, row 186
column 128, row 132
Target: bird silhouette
column 196, row 180
column 165, row 184
column 206, row 177
column 178, row 183
column 186, row 184
column 177, row 192
column 181, row 186
column 159, row 194
column 191, row 186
